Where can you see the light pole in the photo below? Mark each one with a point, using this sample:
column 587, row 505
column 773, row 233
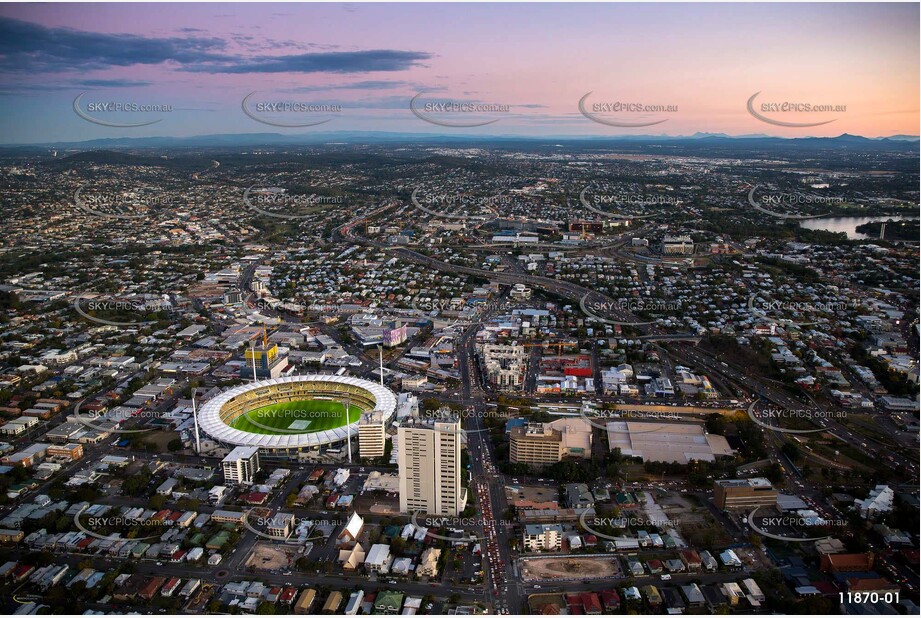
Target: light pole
column 195, row 421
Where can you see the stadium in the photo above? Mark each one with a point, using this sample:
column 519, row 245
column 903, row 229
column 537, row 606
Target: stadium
column 286, row 416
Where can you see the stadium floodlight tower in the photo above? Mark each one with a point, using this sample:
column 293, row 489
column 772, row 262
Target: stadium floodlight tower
column 195, row 421
column 380, row 350
column 348, row 425
column 252, row 354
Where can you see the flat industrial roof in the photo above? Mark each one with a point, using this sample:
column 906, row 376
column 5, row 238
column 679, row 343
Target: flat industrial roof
column 668, row 442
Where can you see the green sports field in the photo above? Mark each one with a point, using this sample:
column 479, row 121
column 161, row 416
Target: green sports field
column 295, row 417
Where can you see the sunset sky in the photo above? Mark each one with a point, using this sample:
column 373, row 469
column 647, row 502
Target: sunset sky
column 537, row 59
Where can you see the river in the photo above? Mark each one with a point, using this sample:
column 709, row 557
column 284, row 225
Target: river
column 848, row 225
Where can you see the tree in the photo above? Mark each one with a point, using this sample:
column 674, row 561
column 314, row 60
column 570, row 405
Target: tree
column 157, row 502
column 814, row 606
column 265, row 608
column 774, row 473
column 134, row 484
column 188, row 504
column 716, row 424
column 303, row 564
column 39, row 559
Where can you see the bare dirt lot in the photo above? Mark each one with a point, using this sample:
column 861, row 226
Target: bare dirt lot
column 268, row 557
column 378, row 503
column 161, row 438
column 531, row 493
column 569, row 567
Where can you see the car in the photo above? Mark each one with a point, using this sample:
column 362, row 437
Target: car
column 666, row 577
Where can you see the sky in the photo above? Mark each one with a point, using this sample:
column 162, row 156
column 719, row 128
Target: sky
column 503, row 69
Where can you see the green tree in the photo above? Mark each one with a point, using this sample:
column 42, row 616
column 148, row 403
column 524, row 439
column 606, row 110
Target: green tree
column 157, row 502
column 774, row 473
column 716, row 424
column 791, row 450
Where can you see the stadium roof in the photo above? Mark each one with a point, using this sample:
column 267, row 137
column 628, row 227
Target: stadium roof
column 210, row 421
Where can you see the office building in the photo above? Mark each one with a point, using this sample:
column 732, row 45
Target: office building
column 394, row 335
column 744, row 493
column 69, row 451
column 544, row 444
column 233, row 297
column 678, row 245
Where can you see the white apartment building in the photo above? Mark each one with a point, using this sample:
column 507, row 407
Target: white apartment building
column 504, row 364
column 878, row 502
column 543, row 537
column 378, row 559
column 430, row 466
column 520, row 291
column 371, row 436
column 280, row 525
column 241, row 465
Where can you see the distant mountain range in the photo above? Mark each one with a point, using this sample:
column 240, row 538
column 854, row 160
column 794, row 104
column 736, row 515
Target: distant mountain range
column 843, row 136
column 894, row 142
column 904, row 138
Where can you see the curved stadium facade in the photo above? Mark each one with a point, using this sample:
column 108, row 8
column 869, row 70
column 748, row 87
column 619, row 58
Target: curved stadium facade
column 217, row 417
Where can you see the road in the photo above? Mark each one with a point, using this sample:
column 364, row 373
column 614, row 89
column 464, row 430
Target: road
column 487, row 484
